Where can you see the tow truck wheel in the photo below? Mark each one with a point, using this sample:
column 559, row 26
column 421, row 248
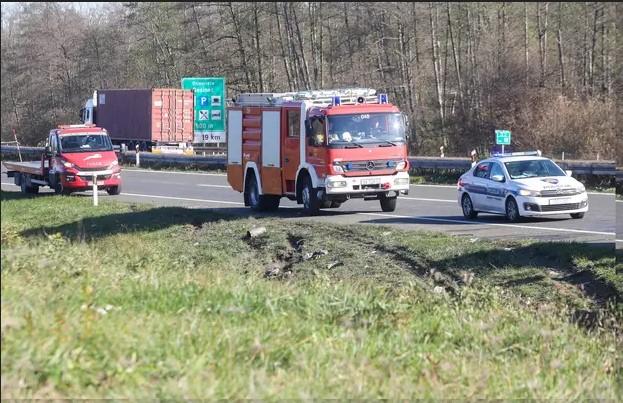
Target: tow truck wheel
column 114, row 190
column 311, row 204
column 388, row 204
column 512, row 211
column 59, row 189
column 468, row 207
column 32, row 189
column 577, row 216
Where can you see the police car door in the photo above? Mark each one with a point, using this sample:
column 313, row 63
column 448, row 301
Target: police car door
column 478, row 185
column 496, row 190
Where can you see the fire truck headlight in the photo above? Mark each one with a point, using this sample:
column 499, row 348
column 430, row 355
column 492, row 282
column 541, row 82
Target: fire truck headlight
column 401, row 181
column 338, row 169
column 336, row 184
column 401, row 165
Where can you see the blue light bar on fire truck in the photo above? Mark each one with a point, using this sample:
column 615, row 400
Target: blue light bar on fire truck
column 382, row 98
column 336, row 100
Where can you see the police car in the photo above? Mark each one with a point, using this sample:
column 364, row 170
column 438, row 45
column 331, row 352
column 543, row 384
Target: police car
column 520, row 185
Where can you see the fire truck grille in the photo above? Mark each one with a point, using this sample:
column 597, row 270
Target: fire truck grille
column 371, row 165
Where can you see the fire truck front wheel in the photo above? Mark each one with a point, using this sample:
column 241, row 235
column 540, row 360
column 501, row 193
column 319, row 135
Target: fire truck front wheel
column 388, row 204
column 311, row 202
column 256, row 201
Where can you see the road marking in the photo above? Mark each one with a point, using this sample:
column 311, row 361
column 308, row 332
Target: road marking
column 171, row 172
column 385, row 215
column 182, row 198
column 433, row 200
column 224, row 175
column 436, row 186
column 600, row 194
column 492, row 224
column 214, row 186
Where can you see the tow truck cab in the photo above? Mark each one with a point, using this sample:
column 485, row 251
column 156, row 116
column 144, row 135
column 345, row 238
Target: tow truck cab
column 76, row 154
column 319, row 148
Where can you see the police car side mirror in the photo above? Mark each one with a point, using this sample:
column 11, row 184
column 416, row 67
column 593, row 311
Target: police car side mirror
column 498, row 178
column 568, row 173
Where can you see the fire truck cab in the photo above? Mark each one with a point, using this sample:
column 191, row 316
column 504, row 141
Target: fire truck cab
column 319, row 148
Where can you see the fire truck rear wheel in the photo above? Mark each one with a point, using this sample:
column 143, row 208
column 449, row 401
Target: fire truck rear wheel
column 388, row 204
column 255, row 200
column 311, row 203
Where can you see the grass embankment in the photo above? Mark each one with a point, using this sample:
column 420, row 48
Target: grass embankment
column 136, row 301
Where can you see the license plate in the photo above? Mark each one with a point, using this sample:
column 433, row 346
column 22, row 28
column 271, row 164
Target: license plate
column 99, row 183
column 560, row 200
column 371, row 181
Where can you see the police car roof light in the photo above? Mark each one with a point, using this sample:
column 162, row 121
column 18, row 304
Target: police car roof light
column 519, row 154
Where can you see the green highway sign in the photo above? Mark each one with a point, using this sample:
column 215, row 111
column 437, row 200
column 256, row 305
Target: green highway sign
column 210, row 113
column 503, row 137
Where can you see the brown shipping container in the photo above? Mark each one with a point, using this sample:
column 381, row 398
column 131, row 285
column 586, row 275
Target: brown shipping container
column 159, row 115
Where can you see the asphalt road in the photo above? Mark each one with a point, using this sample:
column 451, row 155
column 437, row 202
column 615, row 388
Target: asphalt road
column 427, row 207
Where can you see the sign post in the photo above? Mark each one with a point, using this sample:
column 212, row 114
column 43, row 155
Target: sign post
column 503, row 138
column 210, row 102
column 95, row 203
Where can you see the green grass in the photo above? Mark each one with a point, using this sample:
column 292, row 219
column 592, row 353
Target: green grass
column 161, row 302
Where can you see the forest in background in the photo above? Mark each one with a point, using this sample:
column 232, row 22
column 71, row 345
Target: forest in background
column 549, row 72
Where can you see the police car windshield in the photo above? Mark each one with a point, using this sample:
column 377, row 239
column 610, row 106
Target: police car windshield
column 532, row 169
column 85, row 143
column 367, row 128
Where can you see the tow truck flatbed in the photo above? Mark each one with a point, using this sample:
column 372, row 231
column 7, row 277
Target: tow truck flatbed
column 29, row 167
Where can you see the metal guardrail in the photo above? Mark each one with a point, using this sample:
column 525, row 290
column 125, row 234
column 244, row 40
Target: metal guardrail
column 579, row 167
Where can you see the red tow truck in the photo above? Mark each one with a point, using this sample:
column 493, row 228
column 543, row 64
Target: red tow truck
column 74, row 155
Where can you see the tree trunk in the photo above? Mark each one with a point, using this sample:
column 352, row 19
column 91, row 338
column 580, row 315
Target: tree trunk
column 542, row 31
column 286, row 64
column 435, row 59
column 302, row 47
column 525, row 10
column 457, row 65
column 240, row 42
column 560, row 52
column 258, row 51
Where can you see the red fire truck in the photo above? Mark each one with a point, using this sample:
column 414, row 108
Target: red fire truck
column 319, row 148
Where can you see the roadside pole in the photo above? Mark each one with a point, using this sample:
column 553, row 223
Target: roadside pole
column 95, row 201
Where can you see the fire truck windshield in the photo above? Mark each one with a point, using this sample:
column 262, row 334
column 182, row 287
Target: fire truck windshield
column 366, row 128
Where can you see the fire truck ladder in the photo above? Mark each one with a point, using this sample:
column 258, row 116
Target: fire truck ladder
column 348, row 96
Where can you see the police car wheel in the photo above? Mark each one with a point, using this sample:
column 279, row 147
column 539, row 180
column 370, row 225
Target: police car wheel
column 512, row 211
column 577, row 216
column 468, row 207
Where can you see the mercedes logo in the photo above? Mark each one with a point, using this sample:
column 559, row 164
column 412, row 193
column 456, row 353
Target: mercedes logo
column 370, row 165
